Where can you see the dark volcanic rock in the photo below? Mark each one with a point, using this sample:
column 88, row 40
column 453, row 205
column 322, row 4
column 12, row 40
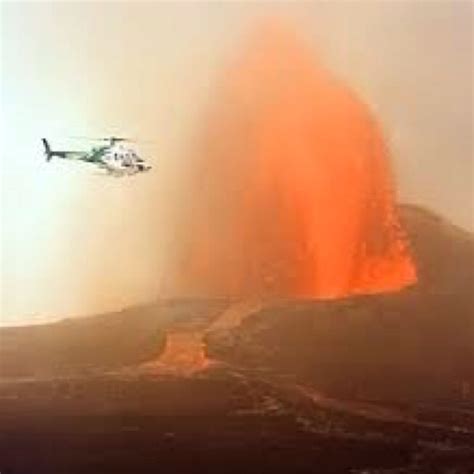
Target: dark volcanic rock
column 444, row 254
column 416, row 344
column 218, row 422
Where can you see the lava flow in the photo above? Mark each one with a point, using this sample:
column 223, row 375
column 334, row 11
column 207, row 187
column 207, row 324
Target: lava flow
column 184, row 353
column 290, row 189
column 185, row 349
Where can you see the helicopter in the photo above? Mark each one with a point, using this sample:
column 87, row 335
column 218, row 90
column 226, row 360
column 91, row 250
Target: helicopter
column 114, row 157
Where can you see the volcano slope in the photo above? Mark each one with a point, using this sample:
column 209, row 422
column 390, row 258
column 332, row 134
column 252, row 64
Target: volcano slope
column 96, row 343
column 379, row 384
column 415, row 344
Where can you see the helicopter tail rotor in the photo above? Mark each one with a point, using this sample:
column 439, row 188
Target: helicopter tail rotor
column 47, row 149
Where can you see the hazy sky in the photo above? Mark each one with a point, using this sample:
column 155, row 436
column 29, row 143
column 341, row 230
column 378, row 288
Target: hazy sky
column 76, row 242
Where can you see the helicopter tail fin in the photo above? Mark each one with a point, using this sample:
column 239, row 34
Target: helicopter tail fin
column 47, row 149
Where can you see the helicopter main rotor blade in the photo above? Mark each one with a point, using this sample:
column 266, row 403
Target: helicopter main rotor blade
column 116, row 139
column 78, row 137
column 103, row 139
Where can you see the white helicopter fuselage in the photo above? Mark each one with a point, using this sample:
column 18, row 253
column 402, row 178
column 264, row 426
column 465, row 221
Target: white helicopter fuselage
column 120, row 160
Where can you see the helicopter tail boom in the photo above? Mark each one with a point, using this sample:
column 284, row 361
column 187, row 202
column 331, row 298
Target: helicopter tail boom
column 59, row 154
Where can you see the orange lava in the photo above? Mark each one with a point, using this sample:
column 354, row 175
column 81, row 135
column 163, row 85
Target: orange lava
column 184, row 352
column 291, row 192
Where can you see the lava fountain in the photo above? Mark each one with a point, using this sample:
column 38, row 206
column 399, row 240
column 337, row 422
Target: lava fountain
column 289, row 191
